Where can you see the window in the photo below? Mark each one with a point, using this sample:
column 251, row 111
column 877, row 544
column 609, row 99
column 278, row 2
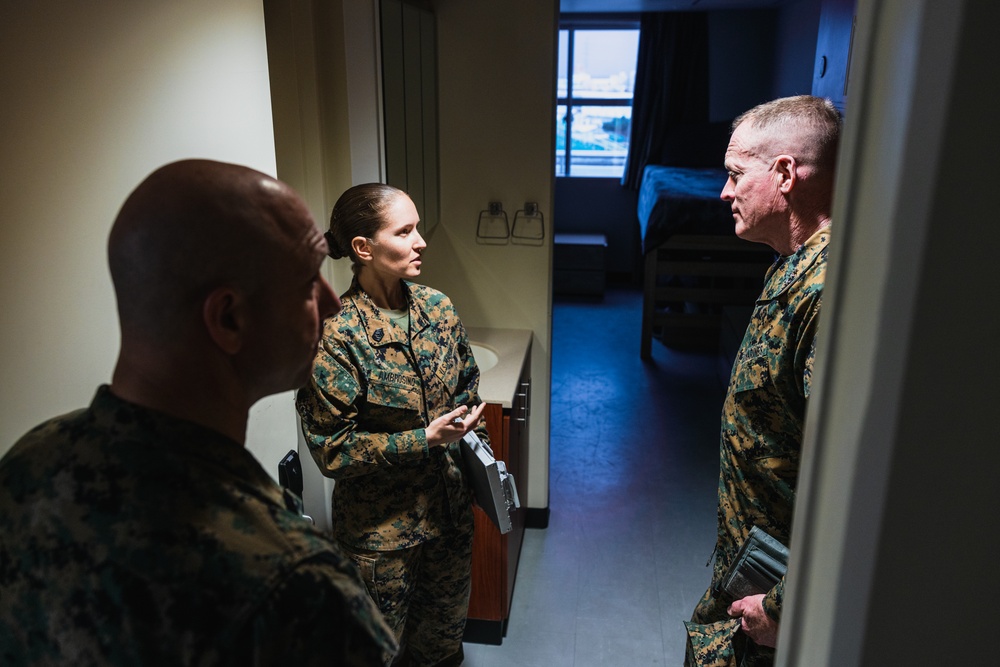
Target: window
column 595, row 81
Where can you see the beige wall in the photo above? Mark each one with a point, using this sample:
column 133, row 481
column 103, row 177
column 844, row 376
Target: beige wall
column 101, row 96
column 97, row 95
column 496, row 77
column 323, row 65
column 323, row 70
column 496, row 144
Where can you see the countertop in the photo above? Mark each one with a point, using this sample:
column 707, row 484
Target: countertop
column 499, row 384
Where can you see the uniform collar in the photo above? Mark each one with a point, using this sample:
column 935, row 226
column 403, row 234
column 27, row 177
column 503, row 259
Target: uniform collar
column 786, row 270
column 192, row 442
column 377, row 326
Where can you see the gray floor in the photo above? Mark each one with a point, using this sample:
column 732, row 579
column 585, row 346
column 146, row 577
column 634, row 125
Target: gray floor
column 634, row 465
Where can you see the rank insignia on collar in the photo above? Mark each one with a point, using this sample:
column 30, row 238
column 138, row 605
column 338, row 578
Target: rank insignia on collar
column 378, row 335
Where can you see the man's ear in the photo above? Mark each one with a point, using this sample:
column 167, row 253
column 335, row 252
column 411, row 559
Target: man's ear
column 362, row 248
column 784, row 167
column 224, row 314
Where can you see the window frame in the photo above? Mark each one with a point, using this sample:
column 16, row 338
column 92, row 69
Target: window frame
column 589, row 22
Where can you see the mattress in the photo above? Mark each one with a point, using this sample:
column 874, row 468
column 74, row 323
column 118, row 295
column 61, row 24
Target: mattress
column 681, row 199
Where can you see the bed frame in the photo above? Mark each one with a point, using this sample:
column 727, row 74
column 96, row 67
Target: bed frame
column 694, row 265
column 690, row 279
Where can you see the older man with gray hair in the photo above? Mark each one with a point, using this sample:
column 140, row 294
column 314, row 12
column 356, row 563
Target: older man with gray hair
column 781, row 163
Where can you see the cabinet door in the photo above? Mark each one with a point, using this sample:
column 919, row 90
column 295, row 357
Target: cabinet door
column 517, row 446
column 489, row 547
column 495, row 556
column 516, row 460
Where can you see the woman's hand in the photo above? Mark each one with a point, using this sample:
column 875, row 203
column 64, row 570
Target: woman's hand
column 454, row 425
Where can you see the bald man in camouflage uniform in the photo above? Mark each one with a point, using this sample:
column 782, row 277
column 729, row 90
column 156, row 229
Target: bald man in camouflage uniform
column 140, row 530
column 781, row 161
column 390, row 397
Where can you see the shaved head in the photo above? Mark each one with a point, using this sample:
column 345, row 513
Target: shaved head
column 190, row 227
column 221, row 298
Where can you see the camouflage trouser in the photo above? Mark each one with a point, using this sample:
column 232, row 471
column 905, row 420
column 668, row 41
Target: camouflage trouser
column 715, row 639
column 423, row 593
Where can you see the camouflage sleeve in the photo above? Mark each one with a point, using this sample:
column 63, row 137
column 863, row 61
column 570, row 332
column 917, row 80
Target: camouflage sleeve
column 805, row 354
column 329, row 407
column 467, row 391
column 774, row 599
column 317, row 616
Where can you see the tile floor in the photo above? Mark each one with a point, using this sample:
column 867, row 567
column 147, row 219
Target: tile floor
column 634, row 465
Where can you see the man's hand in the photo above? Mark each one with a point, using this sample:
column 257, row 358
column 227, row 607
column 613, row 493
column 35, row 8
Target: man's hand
column 754, row 621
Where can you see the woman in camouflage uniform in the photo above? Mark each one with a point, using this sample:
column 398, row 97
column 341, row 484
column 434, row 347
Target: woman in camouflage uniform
column 392, row 393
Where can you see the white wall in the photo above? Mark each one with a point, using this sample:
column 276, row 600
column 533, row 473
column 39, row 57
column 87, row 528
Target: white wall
column 318, row 117
column 323, row 59
column 496, row 143
column 97, row 95
column 895, row 551
column 496, row 77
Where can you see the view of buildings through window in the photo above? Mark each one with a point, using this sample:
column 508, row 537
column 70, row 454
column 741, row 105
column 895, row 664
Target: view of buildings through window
column 594, row 104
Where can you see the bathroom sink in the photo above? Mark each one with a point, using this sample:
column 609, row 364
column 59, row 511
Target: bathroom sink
column 486, row 358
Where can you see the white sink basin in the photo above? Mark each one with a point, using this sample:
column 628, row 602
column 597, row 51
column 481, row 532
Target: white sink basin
column 486, row 357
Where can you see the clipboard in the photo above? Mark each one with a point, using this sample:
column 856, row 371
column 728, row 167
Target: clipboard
column 496, row 492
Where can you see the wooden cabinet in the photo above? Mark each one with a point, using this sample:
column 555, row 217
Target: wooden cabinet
column 834, row 43
column 495, row 556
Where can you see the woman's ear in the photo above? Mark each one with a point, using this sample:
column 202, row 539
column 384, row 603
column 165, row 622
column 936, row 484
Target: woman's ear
column 224, row 316
column 362, row 248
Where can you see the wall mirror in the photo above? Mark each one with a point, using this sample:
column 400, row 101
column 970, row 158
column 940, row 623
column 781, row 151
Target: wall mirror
column 409, row 99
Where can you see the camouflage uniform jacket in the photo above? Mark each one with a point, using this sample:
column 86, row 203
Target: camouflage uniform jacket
column 375, row 387
column 764, row 413
column 129, row 537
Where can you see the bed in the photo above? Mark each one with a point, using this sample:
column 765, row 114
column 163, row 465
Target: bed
column 696, row 271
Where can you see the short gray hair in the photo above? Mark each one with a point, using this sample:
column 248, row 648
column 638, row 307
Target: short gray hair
column 804, row 126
